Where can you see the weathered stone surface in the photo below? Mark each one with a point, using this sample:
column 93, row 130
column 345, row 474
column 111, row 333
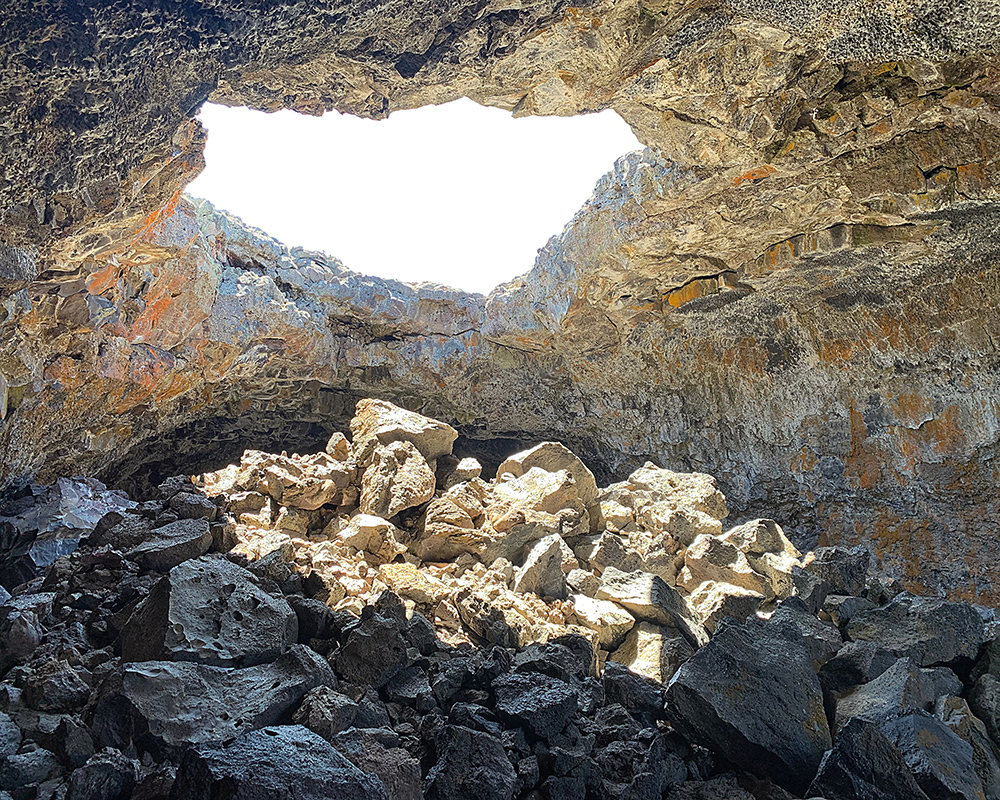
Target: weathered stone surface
column 958, row 717
column 378, row 755
column 941, row 762
column 177, row 703
column 655, row 653
column 902, row 688
column 377, row 422
column 540, row 703
column 397, row 478
column 542, row 571
column 211, row 611
column 610, row 620
column 778, row 729
column 864, row 763
column 928, row 630
column 714, row 602
column 470, row 763
column 286, row 762
column 108, row 775
column 649, row 599
column 166, row 547
column 710, row 558
column 553, row 457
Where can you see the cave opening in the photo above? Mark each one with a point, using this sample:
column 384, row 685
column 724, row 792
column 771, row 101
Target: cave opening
column 457, row 194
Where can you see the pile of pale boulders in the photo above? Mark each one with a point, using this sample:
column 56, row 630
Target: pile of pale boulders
column 643, row 568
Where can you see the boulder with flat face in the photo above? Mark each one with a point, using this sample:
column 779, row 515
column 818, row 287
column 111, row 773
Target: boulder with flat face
column 553, row 457
column 928, row 630
column 377, row 422
column 212, row 611
column 540, row 703
column 751, row 695
column 649, row 599
column 470, row 763
column 286, row 762
column 174, row 704
column 654, row 652
column 164, row 548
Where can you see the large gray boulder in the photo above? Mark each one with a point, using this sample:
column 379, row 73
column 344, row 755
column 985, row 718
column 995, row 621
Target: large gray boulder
column 650, row 599
column 864, row 763
column 928, row 630
column 212, row 611
column 540, row 703
column 939, row 759
column 278, row 763
column 902, row 688
column 173, row 544
column 174, row 704
column 751, row 695
column 470, row 763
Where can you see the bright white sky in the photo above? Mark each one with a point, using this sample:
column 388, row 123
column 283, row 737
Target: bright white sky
column 457, row 194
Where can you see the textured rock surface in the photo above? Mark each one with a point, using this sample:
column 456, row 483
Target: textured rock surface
column 790, row 290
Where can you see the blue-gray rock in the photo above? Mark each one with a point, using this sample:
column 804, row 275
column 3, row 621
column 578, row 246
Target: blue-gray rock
column 108, row 775
column 939, row 759
column 212, row 611
column 173, row 544
column 752, row 696
column 174, row 704
column 844, row 570
column 864, row 763
column 278, row 763
column 929, row 630
column 326, row 712
column 902, row 688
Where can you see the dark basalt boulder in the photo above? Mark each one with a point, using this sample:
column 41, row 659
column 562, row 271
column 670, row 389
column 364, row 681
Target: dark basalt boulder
column 174, row 704
column 928, row 630
column 376, row 649
column 939, row 759
column 278, row 763
column 844, row 570
column 108, row 775
column 211, row 611
column 902, row 688
column 864, row 763
column 540, row 703
column 469, row 764
column 751, row 696
column 173, row 544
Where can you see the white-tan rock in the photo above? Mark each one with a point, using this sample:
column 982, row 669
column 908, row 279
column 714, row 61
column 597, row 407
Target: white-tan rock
column 710, row 558
column 553, row 457
column 609, row 620
column 397, row 478
column 653, row 651
column 377, row 422
column 714, row 601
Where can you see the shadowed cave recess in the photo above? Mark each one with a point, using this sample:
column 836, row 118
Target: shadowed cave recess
column 767, row 343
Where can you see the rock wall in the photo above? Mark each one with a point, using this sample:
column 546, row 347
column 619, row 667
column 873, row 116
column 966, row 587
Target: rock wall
column 794, row 288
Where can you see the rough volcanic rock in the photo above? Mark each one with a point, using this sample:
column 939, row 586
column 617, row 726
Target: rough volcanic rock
column 378, row 422
column 656, row 653
column 553, row 457
column 397, row 478
column 540, row 703
column 211, row 611
column 928, row 630
column 469, row 763
column 941, row 762
column 287, row 762
column 649, row 599
column 865, row 763
column 174, row 543
column 177, row 703
column 109, row 775
column 778, row 729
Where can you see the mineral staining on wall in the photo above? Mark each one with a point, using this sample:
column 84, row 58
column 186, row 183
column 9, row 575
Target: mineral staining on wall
column 793, row 289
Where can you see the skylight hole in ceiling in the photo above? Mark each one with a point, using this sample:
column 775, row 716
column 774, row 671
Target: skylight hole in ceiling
column 457, row 194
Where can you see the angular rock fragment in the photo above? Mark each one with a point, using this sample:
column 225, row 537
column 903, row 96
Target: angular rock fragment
column 900, row 689
column 535, row 490
column 609, row 620
column 397, row 478
column 288, row 762
column 822, row 640
column 714, row 602
column 711, row 558
column 864, row 763
column 212, row 611
column 941, row 762
column 958, row 717
column 553, row 457
column 174, row 704
column 542, row 571
column 326, row 712
column 656, row 653
column 377, row 422
column 109, row 775
column 845, row 570
column 164, row 548
column 751, row 695
column 650, row 599
column 376, row 649
column 925, row 629
column 855, row 663
column 377, row 752
column 540, row 703
column 469, row 763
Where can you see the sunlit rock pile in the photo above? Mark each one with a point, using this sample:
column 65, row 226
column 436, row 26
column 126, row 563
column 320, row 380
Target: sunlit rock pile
column 380, row 621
